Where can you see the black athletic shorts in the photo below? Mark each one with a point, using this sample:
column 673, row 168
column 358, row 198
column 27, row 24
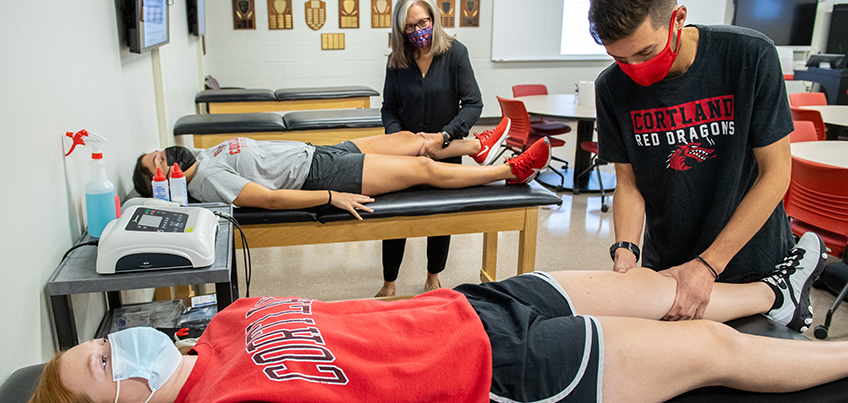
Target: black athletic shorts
column 541, row 351
column 337, row 167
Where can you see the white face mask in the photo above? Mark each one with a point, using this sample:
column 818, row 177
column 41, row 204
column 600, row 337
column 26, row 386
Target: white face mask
column 143, row 352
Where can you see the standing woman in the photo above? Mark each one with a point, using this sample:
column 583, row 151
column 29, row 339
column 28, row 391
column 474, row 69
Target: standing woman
column 430, row 90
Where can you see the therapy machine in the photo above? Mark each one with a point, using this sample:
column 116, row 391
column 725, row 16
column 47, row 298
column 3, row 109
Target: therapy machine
column 153, row 237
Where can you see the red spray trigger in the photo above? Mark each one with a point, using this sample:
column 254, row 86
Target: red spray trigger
column 78, row 138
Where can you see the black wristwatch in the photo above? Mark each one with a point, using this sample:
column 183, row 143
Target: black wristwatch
column 627, row 245
column 447, row 139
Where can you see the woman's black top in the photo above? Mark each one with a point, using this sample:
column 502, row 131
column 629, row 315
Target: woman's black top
column 447, row 99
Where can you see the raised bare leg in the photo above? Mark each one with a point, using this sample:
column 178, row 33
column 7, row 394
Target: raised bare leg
column 409, row 144
column 644, row 293
column 389, row 173
column 649, row 361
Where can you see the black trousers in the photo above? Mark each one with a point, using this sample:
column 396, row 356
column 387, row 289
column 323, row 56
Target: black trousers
column 437, row 249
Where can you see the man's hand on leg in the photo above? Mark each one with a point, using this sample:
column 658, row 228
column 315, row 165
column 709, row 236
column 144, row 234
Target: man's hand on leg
column 694, row 285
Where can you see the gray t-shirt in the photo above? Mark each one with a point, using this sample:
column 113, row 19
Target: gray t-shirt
column 223, row 170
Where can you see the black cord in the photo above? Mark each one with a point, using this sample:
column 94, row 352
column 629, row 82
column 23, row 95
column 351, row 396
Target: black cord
column 248, row 269
column 94, row 242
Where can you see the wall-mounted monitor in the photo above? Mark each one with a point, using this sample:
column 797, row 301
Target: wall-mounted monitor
column 147, row 25
column 786, row 22
column 196, row 17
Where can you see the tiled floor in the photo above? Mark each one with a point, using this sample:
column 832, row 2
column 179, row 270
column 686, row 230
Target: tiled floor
column 573, row 236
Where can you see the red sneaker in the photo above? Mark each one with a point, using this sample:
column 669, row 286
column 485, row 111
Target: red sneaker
column 527, row 165
column 491, row 140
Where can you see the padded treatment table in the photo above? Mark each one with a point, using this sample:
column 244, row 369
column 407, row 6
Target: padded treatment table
column 413, row 213
column 211, row 130
column 333, row 126
column 317, row 127
column 19, row 386
column 286, row 99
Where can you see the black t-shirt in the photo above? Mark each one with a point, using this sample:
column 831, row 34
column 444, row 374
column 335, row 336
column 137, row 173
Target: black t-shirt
column 448, row 98
column 690, row 142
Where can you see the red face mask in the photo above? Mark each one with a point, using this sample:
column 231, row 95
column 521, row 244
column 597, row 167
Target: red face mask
column 655, row 69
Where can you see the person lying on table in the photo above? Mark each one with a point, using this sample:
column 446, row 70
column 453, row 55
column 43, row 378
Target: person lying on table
column 294, row 175
column 528, row 338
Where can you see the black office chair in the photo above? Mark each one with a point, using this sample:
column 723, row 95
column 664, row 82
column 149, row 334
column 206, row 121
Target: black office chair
column 834, row 279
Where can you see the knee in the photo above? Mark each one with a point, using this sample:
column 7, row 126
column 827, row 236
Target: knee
column 722, row 349
column 417, row 141
column 422, row 171
column 426, row 165
column 722, row 338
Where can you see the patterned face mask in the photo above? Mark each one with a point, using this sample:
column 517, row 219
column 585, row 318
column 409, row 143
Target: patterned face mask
column 421, row 38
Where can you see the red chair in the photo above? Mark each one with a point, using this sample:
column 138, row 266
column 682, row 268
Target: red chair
column 812, row 116
column 804, row 131
column 542, row 125
column 521, row 135
column 817, row 200
column 807, row 98
column 523, row 90
column 592, row 147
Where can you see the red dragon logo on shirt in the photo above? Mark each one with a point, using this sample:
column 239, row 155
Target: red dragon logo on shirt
column 685, row 156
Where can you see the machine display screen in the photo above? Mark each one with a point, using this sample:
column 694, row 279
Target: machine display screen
column 151, row 220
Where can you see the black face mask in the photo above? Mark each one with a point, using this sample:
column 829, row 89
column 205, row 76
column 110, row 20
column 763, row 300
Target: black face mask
column 181, row 156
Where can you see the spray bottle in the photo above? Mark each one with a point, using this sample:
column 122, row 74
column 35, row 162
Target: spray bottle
column 100, row 200
column 179, row 191
column 160, row 186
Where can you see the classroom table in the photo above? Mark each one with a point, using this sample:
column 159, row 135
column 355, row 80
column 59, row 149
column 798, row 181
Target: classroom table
column 833, row 152
column 563, row 106
column 832, row 115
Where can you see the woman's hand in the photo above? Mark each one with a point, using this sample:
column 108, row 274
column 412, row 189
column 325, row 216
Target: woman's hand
column 351, row 202
column 432, row 143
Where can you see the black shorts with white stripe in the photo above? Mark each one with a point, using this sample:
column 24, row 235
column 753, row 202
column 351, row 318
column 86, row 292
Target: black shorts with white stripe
column 541, row 351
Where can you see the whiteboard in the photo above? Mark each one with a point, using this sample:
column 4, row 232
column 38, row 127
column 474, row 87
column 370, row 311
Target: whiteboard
column 533, row 30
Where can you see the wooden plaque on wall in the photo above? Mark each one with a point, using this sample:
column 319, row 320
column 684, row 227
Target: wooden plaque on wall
column 348, row 13
column 316, row 14
column 447, row 9
column 244, row 14
column 381, row 13
column 470, row 16
column 280, row 14
column 332, row 41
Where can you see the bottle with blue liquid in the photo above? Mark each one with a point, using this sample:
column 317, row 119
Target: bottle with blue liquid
column 101, row 205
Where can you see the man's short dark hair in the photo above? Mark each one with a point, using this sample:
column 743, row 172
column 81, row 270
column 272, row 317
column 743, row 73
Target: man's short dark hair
column 612, row 20
column 142, row 179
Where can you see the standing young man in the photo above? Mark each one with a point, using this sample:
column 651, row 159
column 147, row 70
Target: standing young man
column 696, row 120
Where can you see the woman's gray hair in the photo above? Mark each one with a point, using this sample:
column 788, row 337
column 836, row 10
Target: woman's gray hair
column 403, row 52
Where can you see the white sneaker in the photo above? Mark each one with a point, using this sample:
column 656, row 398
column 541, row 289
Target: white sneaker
column 793, row 277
